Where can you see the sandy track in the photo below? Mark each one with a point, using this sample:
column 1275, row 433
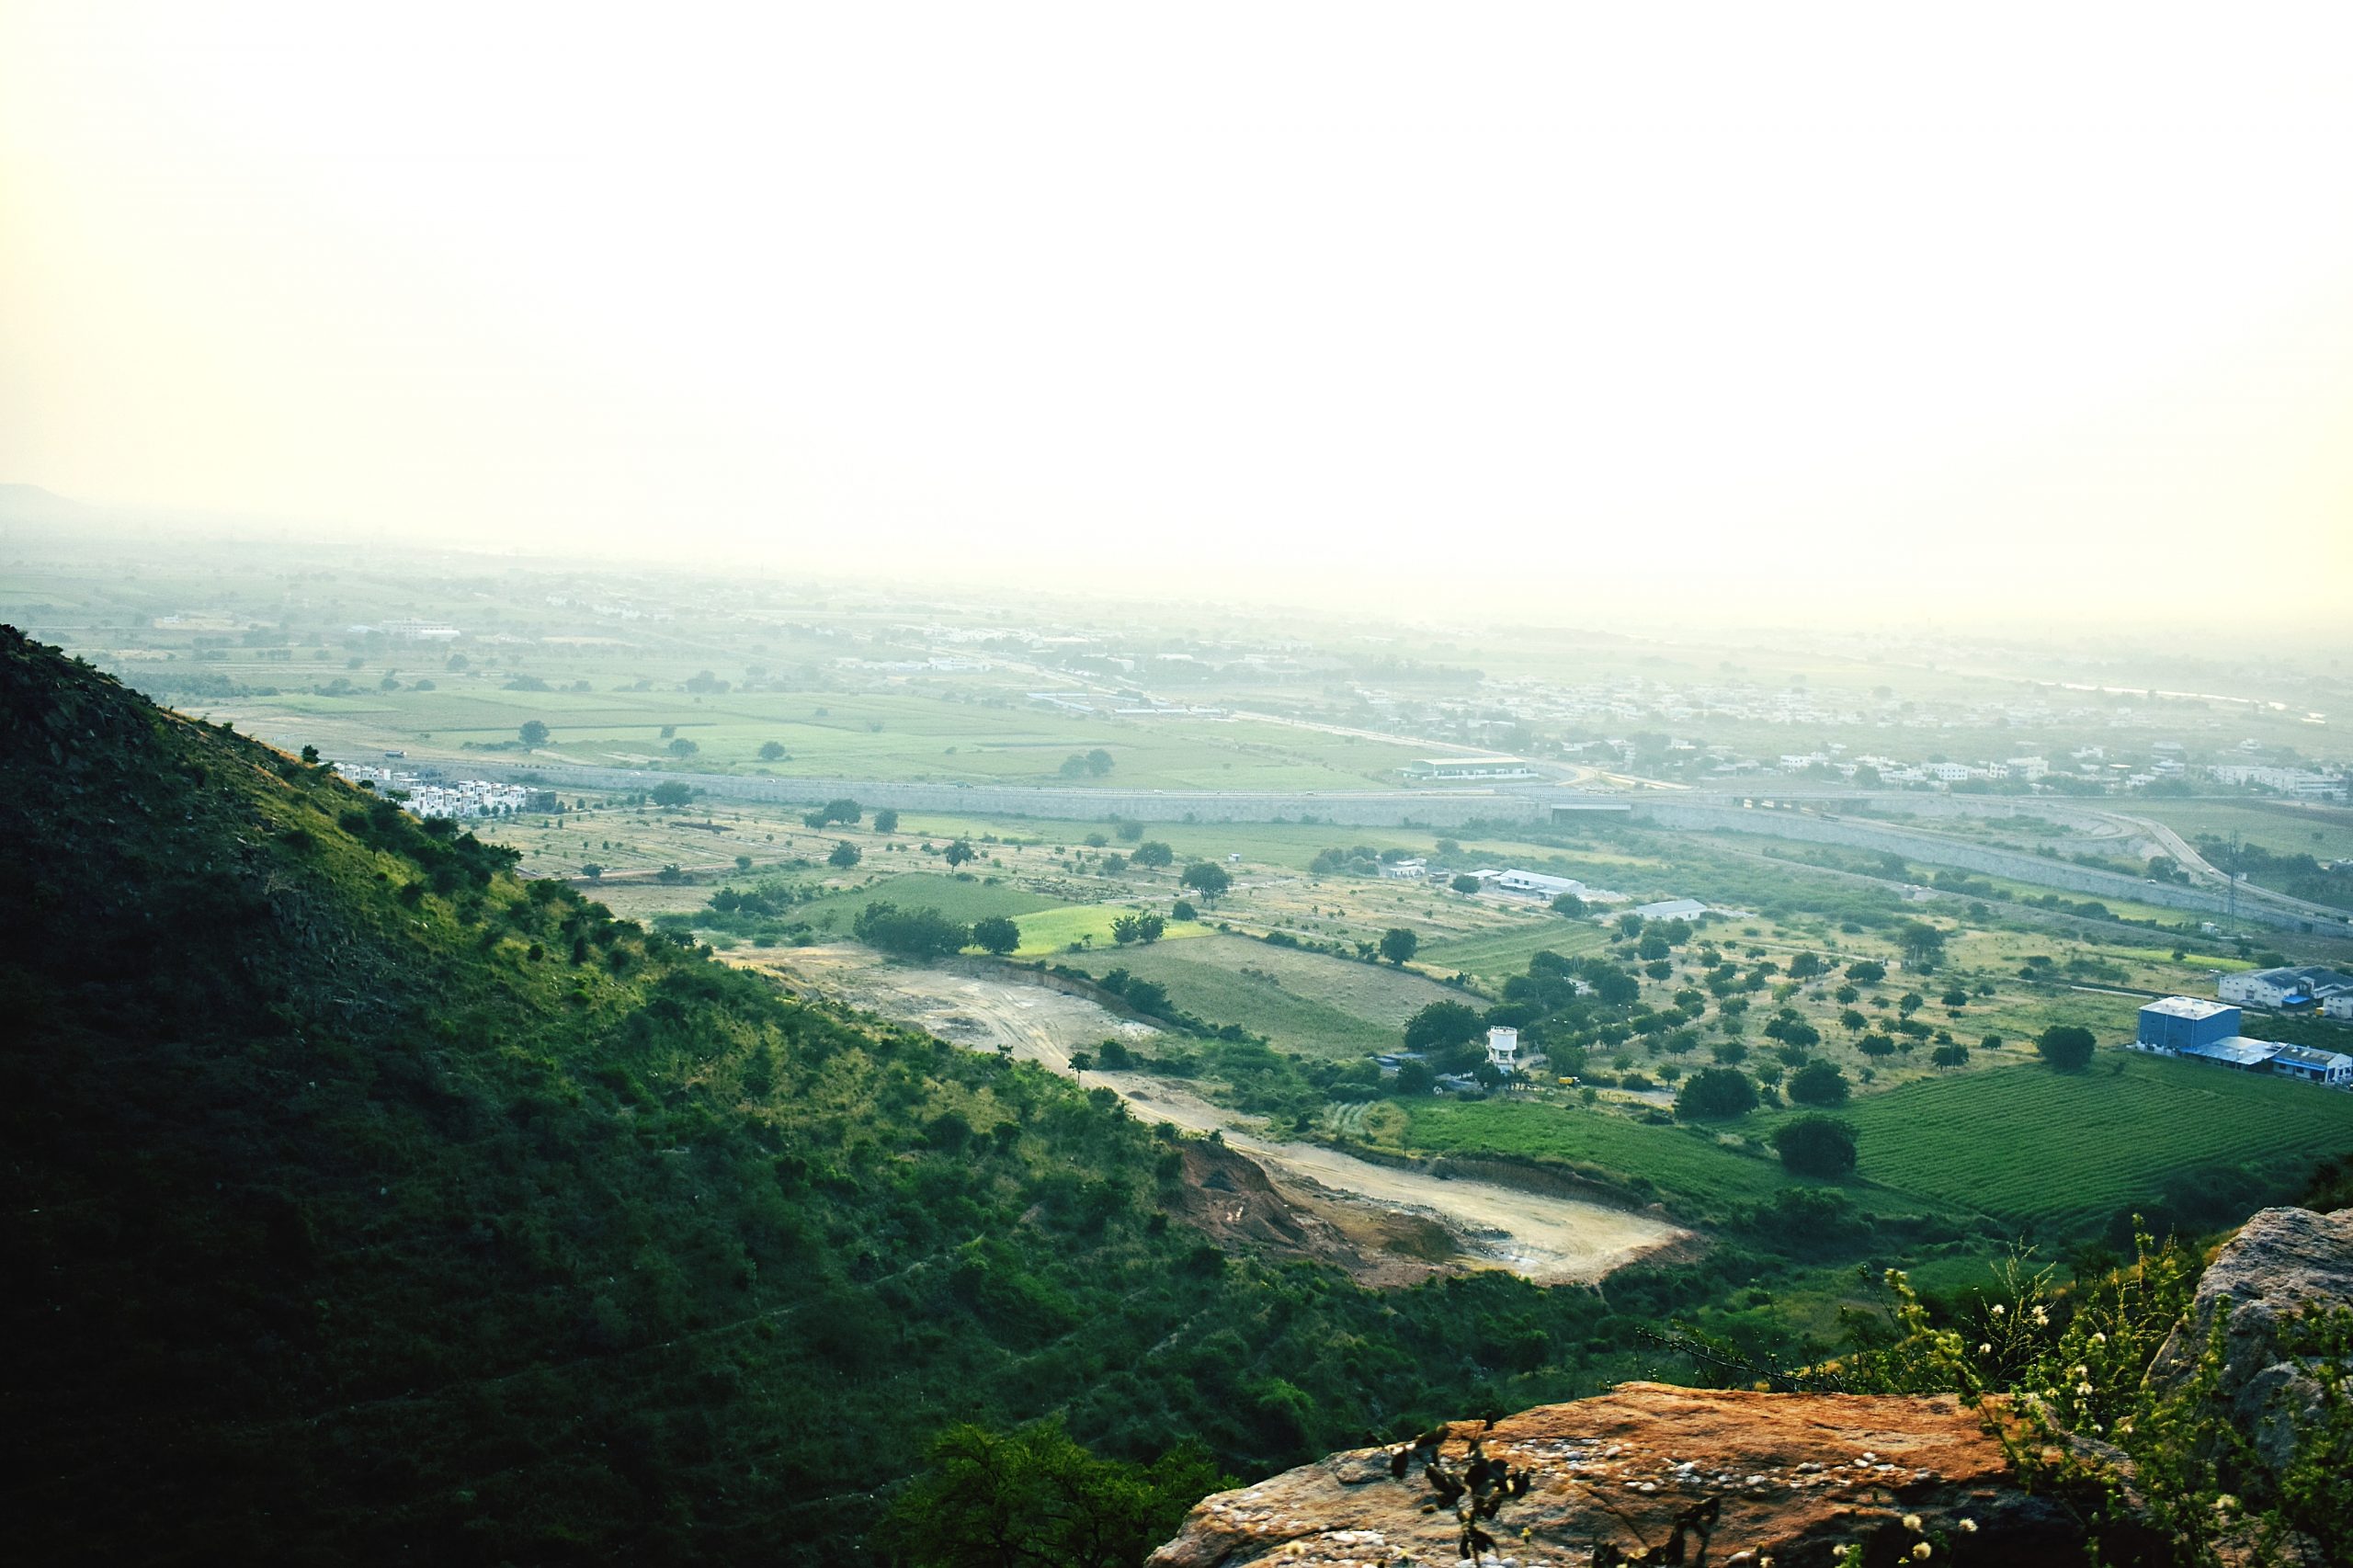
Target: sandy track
column 1548, row 1239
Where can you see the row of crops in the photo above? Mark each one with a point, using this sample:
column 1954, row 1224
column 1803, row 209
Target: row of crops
column 2069, row 1150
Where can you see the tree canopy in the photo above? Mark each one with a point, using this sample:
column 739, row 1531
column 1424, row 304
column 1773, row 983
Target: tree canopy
column 996, row 933
column 1715, row 1094
column 2067, row 1046
column 1819, row 1083
column 1816, row 1145
column 1398, row 944
column 533, row 732
column 1922, row 945
column 922, row 933
column 1440, row 1025
column 1207, row 877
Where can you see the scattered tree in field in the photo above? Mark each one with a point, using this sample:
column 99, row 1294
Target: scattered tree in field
column 1153, row 853
column 742, row 862
column 1819, row 1083
column 771, row 751
column 1816, row 1146
column 683, row 748
column 533, row 732
column 1876, row 1045
column 908, row 933
column 1146, row 927
column 1081, row 1063
column 1180, row 910
column 1099, row 762
column 886, row 820
column 1805, row 966
column 1570, row 904
column 2066, row 1047
column 1465, row 884
column 1074, row 766
column 1922, row 945
column 1867, row 971
column 1398, row 944
column 1952, row 1054
column 841, row 809
column 958, row 853
column 1852, row 1021
column 845, row 856
column 996, row 933
column 1206, row 878
column 670, row 794
column 1954, row 998
column 593, row 871
column 1715, row 1094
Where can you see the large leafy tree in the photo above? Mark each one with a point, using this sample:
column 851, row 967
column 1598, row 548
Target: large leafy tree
column 1816, row 1145
column 1207, row 880
column 1715, row 1094
column 996, row 933
column 1819, row 1083
column 2066, row 1047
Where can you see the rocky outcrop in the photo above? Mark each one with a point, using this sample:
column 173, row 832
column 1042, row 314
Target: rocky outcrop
column 1666, row 1474
column 2282, row 1264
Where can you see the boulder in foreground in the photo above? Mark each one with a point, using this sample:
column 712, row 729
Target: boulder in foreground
column 1737, row 1477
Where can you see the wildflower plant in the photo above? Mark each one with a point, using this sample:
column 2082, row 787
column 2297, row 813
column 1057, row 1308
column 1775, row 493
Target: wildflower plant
column 2050, row 1366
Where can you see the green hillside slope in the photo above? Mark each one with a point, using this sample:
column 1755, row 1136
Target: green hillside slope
column 364, row 1202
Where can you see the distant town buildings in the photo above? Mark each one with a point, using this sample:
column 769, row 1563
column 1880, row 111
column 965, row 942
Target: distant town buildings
column 1455, row 767
column 442, row 798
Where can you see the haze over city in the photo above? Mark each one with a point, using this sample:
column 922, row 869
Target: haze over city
column 1815, row 310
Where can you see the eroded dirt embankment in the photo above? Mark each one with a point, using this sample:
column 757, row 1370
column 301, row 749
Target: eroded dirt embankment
column 1383, row 1224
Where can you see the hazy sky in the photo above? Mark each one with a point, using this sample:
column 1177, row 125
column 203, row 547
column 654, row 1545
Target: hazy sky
column 2016, row 302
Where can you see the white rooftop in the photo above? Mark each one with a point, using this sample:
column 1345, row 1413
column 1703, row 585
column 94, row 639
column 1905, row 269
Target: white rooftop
column 2188, row 1007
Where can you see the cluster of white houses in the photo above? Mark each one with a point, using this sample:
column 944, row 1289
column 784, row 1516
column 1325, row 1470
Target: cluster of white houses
column 2209, row 1031
column 451, row 798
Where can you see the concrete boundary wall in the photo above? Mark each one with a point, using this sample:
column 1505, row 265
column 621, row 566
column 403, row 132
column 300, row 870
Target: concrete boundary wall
column 1938, row 851
column 1382, row 807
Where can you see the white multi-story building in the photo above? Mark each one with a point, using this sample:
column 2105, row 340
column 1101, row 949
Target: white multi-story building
column 1503, row 1047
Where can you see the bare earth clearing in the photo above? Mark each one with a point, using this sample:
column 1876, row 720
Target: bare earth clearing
column 1548, row 1239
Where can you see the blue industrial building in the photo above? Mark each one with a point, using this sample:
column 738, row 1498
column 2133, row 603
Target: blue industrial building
column 2185, row 1023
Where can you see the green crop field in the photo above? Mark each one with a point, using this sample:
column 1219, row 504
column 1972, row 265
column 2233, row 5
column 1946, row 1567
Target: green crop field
column 952, row 896
column 1308, row 1002
column 1050, row 932
column 1499, row 953
column 2069, row 1150
column 1699, row 1176
column 883, row 735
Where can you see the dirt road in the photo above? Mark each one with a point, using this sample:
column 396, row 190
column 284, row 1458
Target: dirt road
column 1548, row 1239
